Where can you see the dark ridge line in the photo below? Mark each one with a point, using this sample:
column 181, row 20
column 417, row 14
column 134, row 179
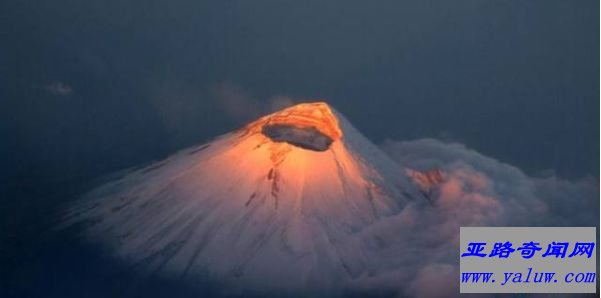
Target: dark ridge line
column 250, row 199
column 199, row 149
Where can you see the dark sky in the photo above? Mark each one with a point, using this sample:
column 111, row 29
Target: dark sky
column 91, row 87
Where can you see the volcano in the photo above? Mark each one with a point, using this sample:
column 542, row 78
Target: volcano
column 279, row 204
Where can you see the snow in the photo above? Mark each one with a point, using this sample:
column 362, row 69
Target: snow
column 277, row 208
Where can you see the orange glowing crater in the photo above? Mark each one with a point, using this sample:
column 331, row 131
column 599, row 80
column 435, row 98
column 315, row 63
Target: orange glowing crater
column 310, row 126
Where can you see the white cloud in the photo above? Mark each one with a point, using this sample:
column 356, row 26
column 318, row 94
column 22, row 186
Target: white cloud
column 477, row 191
column 240, row 106
column 58, row 88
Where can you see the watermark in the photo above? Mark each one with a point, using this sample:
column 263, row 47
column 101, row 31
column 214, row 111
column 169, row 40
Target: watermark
column 528, row 260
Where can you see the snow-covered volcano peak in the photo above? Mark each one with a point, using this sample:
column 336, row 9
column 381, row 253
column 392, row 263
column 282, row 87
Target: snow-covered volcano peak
column 311, row 126
column 278, row 204
column 318, row 115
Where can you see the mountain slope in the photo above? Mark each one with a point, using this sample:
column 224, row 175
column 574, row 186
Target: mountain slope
column 277, row 204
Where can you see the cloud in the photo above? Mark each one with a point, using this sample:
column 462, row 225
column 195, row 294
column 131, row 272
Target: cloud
column 58, row 88
column 241, row 107
column 236, row 103
column 279, row 102
column 182, row 109
column 444, row 276
column 187, row 111
column 476, row 191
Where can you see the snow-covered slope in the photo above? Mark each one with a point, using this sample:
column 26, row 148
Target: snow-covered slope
column 278, row 204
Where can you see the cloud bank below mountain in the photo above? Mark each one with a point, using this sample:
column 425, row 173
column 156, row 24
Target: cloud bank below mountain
column 477, row 191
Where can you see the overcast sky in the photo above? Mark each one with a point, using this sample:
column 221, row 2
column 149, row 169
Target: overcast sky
column 90, row 87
